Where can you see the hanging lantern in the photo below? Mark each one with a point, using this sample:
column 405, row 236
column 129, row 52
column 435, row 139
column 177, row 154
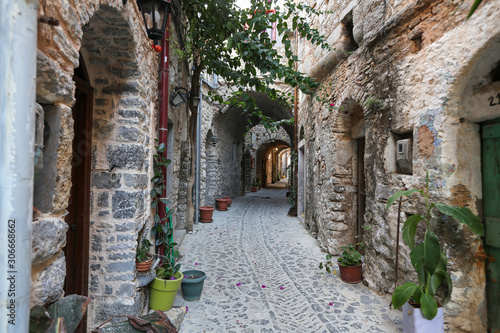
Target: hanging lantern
column 154, row 14
column 179, row 96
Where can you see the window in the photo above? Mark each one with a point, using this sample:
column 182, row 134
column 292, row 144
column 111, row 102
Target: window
column 211, row 80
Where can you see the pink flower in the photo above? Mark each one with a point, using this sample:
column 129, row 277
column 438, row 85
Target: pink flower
column 196, row 264
column 187, row 309
column 332, row 104
column 263, row 286
column 282, row 288
column 238, row 284
column 330, row 303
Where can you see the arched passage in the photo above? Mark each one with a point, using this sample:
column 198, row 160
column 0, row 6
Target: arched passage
column 235, row 150
column 267, row 158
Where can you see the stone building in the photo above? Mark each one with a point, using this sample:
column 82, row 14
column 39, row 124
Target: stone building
column 97, row 89
column 412, row 86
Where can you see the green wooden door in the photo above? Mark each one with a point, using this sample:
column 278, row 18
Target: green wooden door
column 491, row 207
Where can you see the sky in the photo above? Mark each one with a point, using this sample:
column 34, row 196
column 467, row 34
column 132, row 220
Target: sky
column 243, row 3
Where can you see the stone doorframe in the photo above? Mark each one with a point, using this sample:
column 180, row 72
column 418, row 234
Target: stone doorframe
column 123, row 71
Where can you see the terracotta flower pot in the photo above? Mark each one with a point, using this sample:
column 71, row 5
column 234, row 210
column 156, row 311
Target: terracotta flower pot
column 222, row 204
column 253, row 189
column 351, row 274
column 143, row 266
column 229, row 202
column 206, row 214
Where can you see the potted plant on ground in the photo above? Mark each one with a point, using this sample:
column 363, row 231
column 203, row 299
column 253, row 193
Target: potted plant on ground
column 420, row 308
column 222, row 204
column 167, row 281
column 143, row 258
column 168, row 278
column 206, row 213
column 255, row 185
column 192, row 284
column 349, row 262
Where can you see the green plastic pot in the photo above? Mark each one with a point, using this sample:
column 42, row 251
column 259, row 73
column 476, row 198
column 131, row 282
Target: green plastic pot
column 163, row 292
column 192, row 288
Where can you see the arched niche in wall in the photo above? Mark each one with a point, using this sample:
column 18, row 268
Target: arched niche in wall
column 472, row 146
column 352, row 121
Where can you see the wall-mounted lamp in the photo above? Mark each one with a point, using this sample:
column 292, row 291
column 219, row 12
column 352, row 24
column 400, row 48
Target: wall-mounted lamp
column 154, row 14
column 215, row 139
column 196, row 100
column 179, row 96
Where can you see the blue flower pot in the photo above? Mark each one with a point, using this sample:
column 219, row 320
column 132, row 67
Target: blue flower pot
column 192, row 288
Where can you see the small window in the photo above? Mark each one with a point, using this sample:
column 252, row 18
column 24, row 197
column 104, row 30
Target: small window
column 211, row 80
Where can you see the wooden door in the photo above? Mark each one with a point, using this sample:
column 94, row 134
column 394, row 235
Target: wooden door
column 491, row 209
column 77, row 237
column 361, row 195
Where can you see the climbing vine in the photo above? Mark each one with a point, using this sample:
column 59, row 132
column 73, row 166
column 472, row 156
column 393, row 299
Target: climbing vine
column 162, row 229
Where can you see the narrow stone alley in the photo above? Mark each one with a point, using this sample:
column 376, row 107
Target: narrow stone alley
column 262, row 276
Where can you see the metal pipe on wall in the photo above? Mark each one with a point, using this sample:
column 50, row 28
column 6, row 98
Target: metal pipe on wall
column 18, row 37
column 163, row 126
column 198, row 157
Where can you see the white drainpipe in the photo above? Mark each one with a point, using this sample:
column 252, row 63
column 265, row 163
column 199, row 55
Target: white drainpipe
column 18, row 40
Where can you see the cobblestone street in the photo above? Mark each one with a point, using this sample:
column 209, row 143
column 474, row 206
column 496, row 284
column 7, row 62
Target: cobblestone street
column 262, row 276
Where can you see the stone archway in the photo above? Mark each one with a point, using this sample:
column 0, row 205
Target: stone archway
column 122, row 129
column 473, row 125
column 122, row 71
column 234, row 149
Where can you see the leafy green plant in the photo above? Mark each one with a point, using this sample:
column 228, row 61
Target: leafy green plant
column 350, row 255
column 372, row 104
column 256, row 183
column 223, row 39
column 328, row 265
column 142, row 253
column 427, row 257
column 162, row 230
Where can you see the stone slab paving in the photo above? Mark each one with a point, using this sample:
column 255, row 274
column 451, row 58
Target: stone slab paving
column 262, row 276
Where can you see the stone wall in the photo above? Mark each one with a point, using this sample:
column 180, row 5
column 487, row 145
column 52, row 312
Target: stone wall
column 123, row 72
column 413, row 71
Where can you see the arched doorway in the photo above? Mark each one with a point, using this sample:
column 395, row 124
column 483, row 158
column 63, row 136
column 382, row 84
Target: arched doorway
column 78, row 218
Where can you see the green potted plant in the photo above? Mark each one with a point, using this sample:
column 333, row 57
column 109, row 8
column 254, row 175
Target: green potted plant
column 143, row 259
column 168, row 278
column 429, row 261
column 255, row 185
column 349, row 262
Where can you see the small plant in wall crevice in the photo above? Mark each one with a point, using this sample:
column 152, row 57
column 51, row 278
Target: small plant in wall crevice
column 372, row 105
